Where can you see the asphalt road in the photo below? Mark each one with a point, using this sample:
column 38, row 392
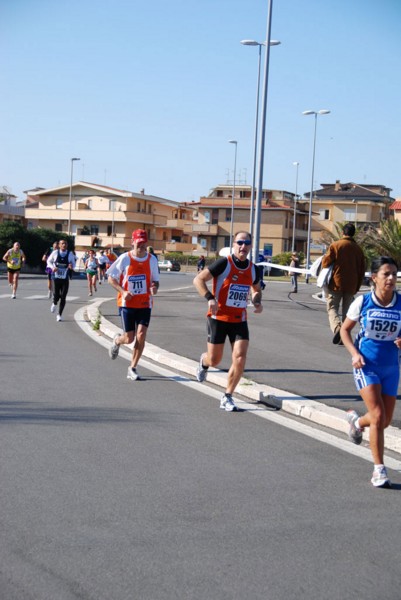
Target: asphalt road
column 117, row 490
column 291, row 343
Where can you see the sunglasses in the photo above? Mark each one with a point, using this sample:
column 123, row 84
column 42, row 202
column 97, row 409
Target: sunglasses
column 242, row 242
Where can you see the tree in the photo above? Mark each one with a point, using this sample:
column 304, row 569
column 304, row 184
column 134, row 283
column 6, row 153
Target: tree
column 34, row 242
column 385, row 243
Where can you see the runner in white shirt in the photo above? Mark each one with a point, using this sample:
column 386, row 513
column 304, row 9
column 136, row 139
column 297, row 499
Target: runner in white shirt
column 102, row 260
column 61, row 262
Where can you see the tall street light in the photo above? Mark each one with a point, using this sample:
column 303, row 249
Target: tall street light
column 255, row 150
column 232, row 200
column 296, row 164
column 69, row 210
column 113, row 204
column 258, row 207
column 354, row 201
column 315, row 113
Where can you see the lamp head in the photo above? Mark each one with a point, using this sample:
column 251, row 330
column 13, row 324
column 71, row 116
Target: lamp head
column 232, row 142
column 75, row 159
column 250, row 43
column 255, row 43
column 316, row 112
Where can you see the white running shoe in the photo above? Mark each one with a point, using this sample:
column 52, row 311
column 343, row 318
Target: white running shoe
column 53, row 308
column 13, row 296
column 114, row 349
column 132, row 374
column 201, row 372
column 380, row 478
column 227, row 403
column 59, row 318
column 354, row 433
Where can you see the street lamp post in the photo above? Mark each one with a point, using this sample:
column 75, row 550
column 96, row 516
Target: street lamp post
column 113, row 204
column 315, row 113
column 232, row 200
column 69, row 208
column 255, row 150
column 354, row 201
column 258, row 207
column 296, row 164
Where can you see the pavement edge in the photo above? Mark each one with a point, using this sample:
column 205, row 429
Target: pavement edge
column 275, row 398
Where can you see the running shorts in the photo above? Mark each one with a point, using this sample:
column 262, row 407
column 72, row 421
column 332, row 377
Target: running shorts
column 386, row 376
column 217, row 331
column 132, row 317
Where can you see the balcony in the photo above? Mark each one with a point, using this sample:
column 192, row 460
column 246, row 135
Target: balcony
column 180, row 247
column 85, row 241
column 200, row 229
column 84, row 214
column 176, row 223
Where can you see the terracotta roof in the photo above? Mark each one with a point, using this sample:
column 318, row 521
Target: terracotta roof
column 395, row 205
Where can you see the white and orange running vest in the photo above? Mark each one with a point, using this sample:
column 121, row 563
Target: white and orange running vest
column 231, row 290
column 137, row 279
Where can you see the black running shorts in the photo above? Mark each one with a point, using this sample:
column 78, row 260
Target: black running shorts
column 217, row 331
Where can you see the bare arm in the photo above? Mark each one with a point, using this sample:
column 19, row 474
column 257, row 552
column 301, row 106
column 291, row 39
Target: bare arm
column 346, row 328
column 200, row 283
column 257, row 298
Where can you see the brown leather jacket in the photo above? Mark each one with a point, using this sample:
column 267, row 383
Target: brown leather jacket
column 348, row 263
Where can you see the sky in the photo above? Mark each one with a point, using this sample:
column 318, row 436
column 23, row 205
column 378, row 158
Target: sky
column 148, row 94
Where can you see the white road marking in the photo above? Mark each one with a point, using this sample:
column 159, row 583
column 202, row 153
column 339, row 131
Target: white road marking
column 254, row 409
column 38, row 297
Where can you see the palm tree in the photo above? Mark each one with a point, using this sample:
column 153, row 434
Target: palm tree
column 385, row 243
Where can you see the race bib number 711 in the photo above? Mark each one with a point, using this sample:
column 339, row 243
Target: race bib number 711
column 137, row 284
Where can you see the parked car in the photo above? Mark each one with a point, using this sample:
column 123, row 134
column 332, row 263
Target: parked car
column 169, row 265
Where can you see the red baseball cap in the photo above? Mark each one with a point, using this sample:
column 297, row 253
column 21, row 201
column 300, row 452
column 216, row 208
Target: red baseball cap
column 139, row 236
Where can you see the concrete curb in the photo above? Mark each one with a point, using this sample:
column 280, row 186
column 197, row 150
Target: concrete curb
column 299, row 406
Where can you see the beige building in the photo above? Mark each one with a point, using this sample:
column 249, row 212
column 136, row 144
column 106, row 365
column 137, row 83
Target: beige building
column 349, row 202
column 101, row 216
column 213, row 219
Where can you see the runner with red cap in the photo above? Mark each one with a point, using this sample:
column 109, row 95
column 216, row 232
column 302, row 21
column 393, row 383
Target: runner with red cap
column 135, row 276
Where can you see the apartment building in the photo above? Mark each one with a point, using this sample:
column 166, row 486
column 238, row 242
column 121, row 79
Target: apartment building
column 212, row 219
column 101, row 216
column 349, row 202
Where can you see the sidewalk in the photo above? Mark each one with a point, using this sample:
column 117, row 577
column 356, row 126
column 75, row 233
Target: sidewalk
column 272, row 397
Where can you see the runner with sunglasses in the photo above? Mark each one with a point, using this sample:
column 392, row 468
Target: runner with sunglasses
column 234, row 278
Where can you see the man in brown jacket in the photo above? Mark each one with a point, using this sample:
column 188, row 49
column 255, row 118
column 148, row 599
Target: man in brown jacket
column 348, row 263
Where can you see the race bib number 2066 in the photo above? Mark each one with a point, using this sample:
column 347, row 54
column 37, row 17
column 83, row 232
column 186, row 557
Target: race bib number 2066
column 238, row 295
